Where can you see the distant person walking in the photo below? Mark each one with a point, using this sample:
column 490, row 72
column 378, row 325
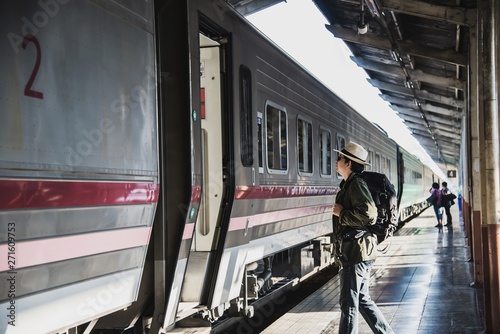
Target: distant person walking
column 436, row 203
column 356, row 247
column 446, row 204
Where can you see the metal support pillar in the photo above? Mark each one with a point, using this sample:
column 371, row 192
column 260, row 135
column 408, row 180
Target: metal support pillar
column 489, row 13
column 473, row 221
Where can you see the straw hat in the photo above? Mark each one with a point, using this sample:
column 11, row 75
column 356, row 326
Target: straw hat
column 355, row 152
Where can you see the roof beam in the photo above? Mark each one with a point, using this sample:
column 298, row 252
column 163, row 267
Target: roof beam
column 448, row 14
column 421, row 93
column 446, row 147
column 440, row 154
column 419, row 125
column 425, row 106
column 439, row 133
column 417, row 75
column 452, row 148
column 439, row 130
column 449, row 56
column 415, row 113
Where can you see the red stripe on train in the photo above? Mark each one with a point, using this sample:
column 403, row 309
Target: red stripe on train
column 247, row 192
column 24, row 194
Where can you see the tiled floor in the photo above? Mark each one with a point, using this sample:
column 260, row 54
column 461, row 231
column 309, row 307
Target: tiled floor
column 421, row 284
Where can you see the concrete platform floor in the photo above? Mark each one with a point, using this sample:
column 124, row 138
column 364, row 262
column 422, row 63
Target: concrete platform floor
column 421, row 283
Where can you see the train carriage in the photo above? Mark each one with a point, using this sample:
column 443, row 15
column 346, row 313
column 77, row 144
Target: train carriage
column 164, row 161
column 78, row 160
column 418, row 179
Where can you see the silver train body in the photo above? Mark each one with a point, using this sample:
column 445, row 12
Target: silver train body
column 163, row 160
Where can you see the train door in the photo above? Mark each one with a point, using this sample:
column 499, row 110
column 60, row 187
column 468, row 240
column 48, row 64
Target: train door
column 196, row 146
column 201, row 254
column 211, row 128
column 195, row 64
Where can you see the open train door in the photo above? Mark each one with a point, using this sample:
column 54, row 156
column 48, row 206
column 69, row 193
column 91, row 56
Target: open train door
column 180, row 158
column 197, row 277
column 197, row 176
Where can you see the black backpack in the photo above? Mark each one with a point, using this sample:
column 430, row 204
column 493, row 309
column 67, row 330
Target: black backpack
column 385, row 198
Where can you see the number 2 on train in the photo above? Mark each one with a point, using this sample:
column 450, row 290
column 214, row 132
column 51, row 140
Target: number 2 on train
column 27, row 89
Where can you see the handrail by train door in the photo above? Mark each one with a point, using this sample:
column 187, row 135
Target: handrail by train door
column 401, row 174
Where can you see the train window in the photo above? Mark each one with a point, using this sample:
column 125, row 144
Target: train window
column 304, row 146
column 340, row 145
column 325, row 157
column 259, row 141
column 389, row 171
column 418, row 178
column 246, row 144
column 377, row 163
column 276, row 136
column 370, row 161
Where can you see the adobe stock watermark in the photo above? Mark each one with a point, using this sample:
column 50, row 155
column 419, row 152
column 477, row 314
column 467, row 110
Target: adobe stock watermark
column 32, row 24
column 101, row 301
column 262, row 315
column 11, row 273
column 121, row 109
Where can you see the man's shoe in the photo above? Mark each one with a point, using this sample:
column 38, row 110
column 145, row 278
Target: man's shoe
column 439, row 225
column 448, row 224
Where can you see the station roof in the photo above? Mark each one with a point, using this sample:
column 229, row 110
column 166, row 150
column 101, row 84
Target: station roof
column 416, row 52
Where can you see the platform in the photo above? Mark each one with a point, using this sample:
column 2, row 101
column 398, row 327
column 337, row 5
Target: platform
column 421, row 284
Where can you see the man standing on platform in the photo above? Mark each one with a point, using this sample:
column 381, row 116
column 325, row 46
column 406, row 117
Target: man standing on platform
column 447, row 204
column 356, row 247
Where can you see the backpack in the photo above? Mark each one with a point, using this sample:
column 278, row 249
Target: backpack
column 448, row 198
column 385, row 198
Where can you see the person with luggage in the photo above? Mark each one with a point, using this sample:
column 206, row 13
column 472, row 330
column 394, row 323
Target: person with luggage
column 356, row 246
column 446, row 204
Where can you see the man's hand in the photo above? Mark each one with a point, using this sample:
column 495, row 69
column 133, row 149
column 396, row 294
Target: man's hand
column 337, row 209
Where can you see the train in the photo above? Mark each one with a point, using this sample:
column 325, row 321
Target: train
column 164, row 161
